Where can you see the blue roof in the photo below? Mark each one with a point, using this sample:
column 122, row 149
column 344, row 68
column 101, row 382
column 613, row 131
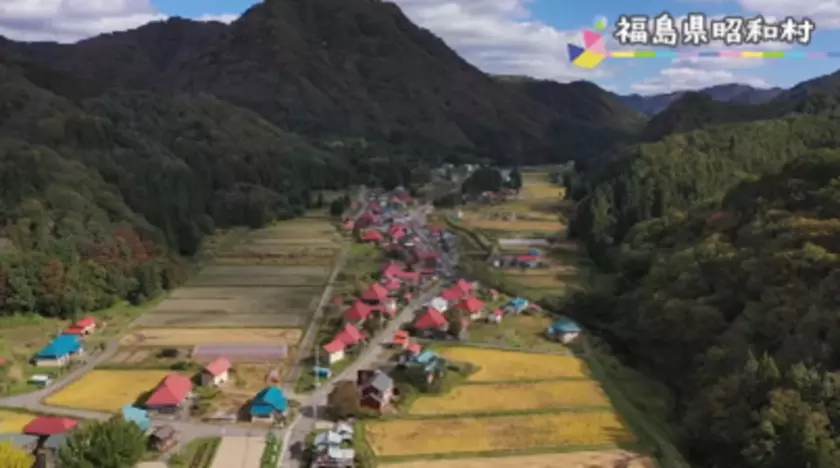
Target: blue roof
column 268, row 400
column 137, row 416
column 425, row 357
column 518, row 302
column 564, row 325
column 62, row 345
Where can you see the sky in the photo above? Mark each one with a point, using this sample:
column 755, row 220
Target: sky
column 516, row 37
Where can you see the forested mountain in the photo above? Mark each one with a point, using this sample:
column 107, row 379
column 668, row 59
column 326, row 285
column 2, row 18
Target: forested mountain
column 334, row 69
column 729, row 93
column 734, row 304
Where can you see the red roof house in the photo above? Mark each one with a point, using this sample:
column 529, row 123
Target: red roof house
column 392, row 271
column 525, row 258
column 464, row 285
column 49, row 425
column 392, row 285
column 73, row 330
column 358, row 312
column 171, row 392
column 216, row 372
column 414, row 348
column 452, row 293
column 81, row 327
column 372, row 236
column 348, row 225
column 400, row 338
column 375, row 293
column 471, row 305
column 334, row 346
column 430, row 319
column 349, row 335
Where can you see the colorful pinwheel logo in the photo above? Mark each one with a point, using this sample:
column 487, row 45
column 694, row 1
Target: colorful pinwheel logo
column 593, row 51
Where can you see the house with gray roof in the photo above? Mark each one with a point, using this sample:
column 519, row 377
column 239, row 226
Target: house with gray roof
column 376, row 389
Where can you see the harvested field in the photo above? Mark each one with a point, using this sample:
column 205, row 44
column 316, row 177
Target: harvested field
column 496, row 365
column 130, row 356
column 107, row 390
column 241, row 352
column 513, row 397
column 241, row 452
column 502, row 433
column 163, row 337
column 220, row 319
column 515, row 226
column 12, row 421
column 605, row 459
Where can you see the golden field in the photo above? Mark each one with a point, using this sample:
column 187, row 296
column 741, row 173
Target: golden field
column 162, row 337
column 512, row 397
column 402, row 437
column 107, row 390
column 496, row 365
column 12, row 421
column 605, row 459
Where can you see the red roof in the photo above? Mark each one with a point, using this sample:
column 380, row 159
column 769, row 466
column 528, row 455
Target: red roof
column 375, row 292
column 171, row 391
column 392, row 285
column 498, row 312
column 86, row 322
column 74, row 330
column 348, row 225
column 217, row 367
column 389, row 307
column 431, row 318
column 470, row 304
column 527, row 258
column 358, row 311
column 391, row 271
column 372, row 236
column 349, row 335
column 398, row 234
column 334, row 346
column 400, row 337
column 414, row 347
column 464, row 285
column 49, row 425
column 452, row 293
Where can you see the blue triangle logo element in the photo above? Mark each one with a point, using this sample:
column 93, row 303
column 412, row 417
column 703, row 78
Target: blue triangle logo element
column 574, row 52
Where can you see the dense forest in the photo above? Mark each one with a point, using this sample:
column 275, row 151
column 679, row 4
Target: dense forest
column 720, row 236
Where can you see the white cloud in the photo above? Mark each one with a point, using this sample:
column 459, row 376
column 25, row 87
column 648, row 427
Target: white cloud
column 72, row 20
column 683, row 78
column 825, row 13
column 226, row 18
column 500, row 36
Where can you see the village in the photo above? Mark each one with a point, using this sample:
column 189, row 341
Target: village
column 416, row 330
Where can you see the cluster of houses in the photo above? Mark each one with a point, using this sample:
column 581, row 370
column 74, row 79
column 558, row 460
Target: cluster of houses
column 334, row 448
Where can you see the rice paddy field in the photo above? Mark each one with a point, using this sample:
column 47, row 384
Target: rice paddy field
column 107, row 390
column 503, row 366
column 164, row 337
column 13, row 421
column 499, row 433
column 605, row 459
column 558, row 394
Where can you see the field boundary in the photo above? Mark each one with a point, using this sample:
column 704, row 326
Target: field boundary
column 665, row 453
column 505, row 453
column 477, row 344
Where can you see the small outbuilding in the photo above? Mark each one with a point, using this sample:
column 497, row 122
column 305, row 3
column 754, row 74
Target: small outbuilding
column 216, row 373
column 563, row 330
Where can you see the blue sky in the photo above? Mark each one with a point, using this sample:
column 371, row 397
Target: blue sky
column 524, row 37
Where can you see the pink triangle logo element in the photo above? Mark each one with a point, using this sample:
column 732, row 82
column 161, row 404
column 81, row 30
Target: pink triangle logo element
column 591, row 38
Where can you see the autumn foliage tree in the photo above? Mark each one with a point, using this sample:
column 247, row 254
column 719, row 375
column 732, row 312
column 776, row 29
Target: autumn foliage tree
column 95, row 444
column 343, row 401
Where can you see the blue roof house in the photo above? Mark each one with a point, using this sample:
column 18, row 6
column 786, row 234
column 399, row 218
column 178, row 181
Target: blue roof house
column 269, row 403
column 563, row 330
column 59, row 351
column 137, row 416
column 517, row 304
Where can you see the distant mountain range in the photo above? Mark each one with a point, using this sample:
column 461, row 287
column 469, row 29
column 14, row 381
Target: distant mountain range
column 729, row 93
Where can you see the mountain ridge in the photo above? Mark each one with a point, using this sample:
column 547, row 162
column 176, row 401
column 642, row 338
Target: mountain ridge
column 732, row 93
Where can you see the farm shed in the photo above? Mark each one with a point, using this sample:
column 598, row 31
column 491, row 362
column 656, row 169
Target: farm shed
column 137, row 416
column 563, row 330
column 45, row 426
column 268, row 404
column 59, row 351
column 216, row 372
column 172, row 392
column 496, row 316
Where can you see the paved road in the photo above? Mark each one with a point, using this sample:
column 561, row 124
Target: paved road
column 312, row 328
column 317, row 401
column 314, row 406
